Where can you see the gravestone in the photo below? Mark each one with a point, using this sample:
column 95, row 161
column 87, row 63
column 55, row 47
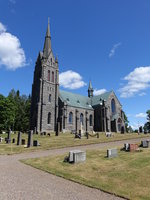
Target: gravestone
column 9, row 137
column 1, row 139
column 148, row 143
column 126, row 146
column 111, row 153
column 134, row 147
column 144, row 143
column 44, row 133
column 30, row 138
column 13, row 140
column 19, row 138
column 23, row 141
column 77, row 156
column 35, row 143
column 58, row 129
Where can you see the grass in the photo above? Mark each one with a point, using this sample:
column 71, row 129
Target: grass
column 126, row 175
column 61, row 141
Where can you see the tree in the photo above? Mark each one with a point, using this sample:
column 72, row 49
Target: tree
column 147, row 124
column 7, row 113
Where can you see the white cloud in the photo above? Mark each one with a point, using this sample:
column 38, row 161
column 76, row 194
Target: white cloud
column 113, row 50
column 136, row 125
column 142, row 94
column 11, row 54
column 71, row 80
column 98, row 92
column 2, row 28
column 141, row 115
column 137, row 81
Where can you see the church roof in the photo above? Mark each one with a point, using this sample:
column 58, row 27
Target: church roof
column 75, row 100
column 96, row 99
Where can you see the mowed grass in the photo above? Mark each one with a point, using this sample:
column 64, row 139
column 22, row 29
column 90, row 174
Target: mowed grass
column 61, row 141
column 127, row 175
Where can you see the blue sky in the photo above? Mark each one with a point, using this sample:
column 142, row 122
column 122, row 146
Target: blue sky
column 105, row 41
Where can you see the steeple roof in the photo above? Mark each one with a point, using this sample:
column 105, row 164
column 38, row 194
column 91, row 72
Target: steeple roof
column 47, row 43
column 90, row 86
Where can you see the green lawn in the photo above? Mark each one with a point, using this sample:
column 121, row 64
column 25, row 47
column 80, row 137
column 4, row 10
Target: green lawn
column 61, row 141
column 127, row 175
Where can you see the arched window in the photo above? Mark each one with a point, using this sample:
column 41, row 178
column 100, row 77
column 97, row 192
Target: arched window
column 49, row 118
column 53, row 77
column 48, row 75
column 91, row 120
column 81, row 118
column 113, row 106
column 49, row 98
column 70, row 118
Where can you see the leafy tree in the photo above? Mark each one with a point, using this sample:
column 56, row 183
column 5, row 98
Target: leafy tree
column 147, row 124
column 7, row 113
column 15, row 111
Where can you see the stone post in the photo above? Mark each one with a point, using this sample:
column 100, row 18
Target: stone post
column 19, row 138
column 77, row 121
column 9, row 137
column 58, row 129
column 30, row 139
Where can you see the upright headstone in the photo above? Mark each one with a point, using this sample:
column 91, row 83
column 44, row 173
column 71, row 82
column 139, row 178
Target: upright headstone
column 13, row 140
column 77, row 156
column 9, row 137
column 126, row 146
column 19, row 138
column 58, row 129
column 23, row 141
column 30, row 139
column 111, row 153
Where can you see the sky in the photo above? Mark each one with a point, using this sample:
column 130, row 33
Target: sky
column 105, row 41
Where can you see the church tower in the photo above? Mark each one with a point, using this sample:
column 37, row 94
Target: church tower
column 90, row 90
column 44, row 105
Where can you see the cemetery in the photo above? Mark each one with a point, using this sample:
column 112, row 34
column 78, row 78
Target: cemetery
column 18, row 142
column 126, row 174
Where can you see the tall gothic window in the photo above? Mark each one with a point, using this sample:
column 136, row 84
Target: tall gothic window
column 70, row 118
column 49, row 98
column 48, row 75
column 53, row 77
column 90, row 120
column 49, row 118
column 113, row 106
column 81, row 118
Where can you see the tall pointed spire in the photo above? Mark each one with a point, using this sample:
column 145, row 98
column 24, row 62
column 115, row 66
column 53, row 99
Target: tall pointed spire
column 47, row 43
column 90, row 90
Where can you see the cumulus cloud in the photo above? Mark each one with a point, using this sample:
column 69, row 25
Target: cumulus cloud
column 98, row 92
column 71, row 80
column 141, row 115
column 113, row 50
column 135, row 125
column 12, row 56
column 137, row 81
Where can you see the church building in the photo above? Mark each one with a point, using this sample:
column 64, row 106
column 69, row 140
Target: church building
column 52, row 108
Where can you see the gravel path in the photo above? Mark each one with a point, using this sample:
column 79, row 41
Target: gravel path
column 22, row 182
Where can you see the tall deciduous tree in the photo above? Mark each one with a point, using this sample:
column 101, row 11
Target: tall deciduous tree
column 147, row 124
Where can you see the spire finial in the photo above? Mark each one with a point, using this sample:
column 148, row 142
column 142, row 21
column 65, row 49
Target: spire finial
column 47, row 43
